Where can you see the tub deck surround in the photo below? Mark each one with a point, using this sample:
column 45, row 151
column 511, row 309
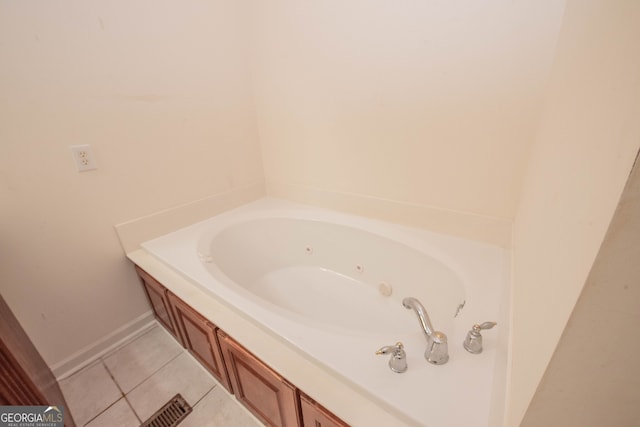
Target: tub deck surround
column 254, row 259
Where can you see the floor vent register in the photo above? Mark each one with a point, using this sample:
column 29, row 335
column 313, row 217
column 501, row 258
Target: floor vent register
column 171, row 414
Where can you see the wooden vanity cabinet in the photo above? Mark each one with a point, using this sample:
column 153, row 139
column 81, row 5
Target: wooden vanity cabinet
column 316, row 415
column 159, row 300
column 200, row 338
column 270, row 397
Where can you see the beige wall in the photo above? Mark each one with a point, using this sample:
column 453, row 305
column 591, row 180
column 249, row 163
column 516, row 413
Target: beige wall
column 593, row 377
column 162, row 93
column 418, row 112
column 429, row 103
column 587, row 139
column 489, row 111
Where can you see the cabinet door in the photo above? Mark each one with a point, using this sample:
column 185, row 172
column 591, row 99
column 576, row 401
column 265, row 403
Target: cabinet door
column 265, row 393
column 199, row 337
column 157, row 295
column 315, row 415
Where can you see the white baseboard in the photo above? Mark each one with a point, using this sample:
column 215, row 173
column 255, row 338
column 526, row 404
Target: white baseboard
column 106, row 344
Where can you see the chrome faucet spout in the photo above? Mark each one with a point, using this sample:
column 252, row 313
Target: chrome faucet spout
column 437, row 349
column 411, row 303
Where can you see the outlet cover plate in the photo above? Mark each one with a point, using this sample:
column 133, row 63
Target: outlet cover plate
column 83, row 157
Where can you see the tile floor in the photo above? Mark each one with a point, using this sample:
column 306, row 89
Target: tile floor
column 127, row 386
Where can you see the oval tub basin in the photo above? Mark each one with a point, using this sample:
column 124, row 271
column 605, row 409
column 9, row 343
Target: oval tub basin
column 331, row 284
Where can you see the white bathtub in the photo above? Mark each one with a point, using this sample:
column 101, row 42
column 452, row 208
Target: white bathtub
column 331, row 285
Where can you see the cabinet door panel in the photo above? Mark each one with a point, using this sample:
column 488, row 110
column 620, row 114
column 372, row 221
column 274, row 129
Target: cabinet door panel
column 199, row 337
column 265, row 393
column 315, row 415
column 157, row 295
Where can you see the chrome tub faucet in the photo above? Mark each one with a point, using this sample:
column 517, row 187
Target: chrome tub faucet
column 437, row 350
column 473, row 342
column 398, row 361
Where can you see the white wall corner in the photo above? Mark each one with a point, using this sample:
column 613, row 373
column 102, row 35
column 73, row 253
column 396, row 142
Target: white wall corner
column 133, row 233
column 482, row 228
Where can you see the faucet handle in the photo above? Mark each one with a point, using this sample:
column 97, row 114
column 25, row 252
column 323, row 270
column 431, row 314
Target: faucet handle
column 473, row 342
column 398, row 361
column 485, row 325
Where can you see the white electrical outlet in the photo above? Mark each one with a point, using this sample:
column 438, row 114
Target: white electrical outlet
column 83, row 156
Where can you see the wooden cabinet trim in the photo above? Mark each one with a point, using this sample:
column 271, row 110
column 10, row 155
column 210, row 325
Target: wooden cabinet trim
column 315, row 415
column 237, row 369
column 161, row 309
column 199, row 338
column 255, row 384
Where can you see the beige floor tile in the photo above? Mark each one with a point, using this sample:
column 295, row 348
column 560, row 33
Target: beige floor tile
column 140, row 359
column 217, row 409
column 182, row 375
column 119, row 414
column 151, row 369
column 89, row 392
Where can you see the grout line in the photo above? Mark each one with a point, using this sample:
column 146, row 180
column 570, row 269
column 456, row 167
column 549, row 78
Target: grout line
column 113, row 403
column 182, row 350
column 203, row 396
column 112, row 377
column 133, row 410
column 108, row 353
column 131, row 341
column 156, row 371
column 147, row 379
column 91, row 353
column 101, row 360
column 103, row 411
column 83, row 370
column 196, row 362
column 226, row 392
column 124, row 395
